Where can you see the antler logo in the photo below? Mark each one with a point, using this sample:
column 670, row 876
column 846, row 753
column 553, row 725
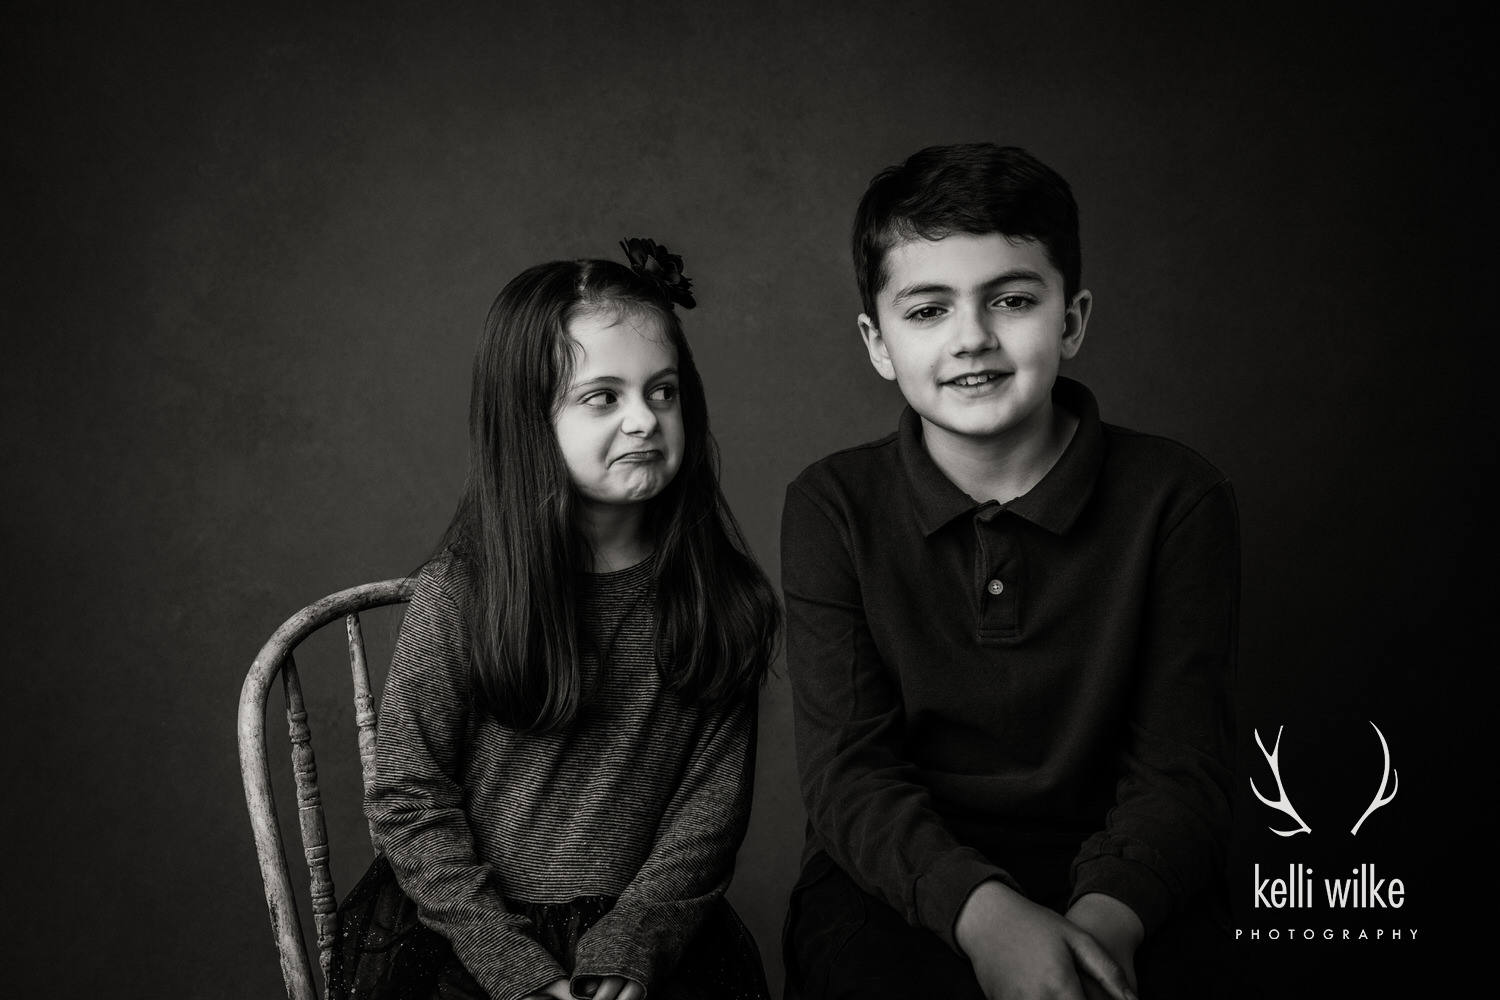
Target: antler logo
column 1283, row 802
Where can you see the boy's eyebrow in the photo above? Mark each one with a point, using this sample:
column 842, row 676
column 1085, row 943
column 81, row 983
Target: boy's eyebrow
column 938, row 288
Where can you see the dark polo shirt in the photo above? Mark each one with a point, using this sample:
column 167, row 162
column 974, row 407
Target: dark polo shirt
column 1037, row 691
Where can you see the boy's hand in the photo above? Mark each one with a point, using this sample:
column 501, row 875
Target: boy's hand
column 555, row 990
column 1022, row 951
column 1115, row 926
column 608, row 988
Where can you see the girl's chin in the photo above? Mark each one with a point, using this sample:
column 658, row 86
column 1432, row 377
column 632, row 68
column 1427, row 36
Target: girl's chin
column 629, row 495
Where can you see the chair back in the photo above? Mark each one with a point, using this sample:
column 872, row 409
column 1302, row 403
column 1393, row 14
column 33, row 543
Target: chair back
column 276, row 657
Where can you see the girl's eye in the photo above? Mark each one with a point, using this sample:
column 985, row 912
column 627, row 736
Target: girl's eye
column 664, row 393
column 600, row 399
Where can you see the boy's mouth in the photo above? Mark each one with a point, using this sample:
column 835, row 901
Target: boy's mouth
column 976, row 378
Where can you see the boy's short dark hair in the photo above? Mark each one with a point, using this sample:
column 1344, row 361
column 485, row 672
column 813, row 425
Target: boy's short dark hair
column 977, row 188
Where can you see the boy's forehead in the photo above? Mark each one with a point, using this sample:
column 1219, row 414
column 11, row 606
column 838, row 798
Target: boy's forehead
column 964, row 260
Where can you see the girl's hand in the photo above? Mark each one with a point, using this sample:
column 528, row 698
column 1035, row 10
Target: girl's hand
column 555, row 990
column 609, row 988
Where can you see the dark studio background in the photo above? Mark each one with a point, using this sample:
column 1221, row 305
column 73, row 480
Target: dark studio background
column 248, row 250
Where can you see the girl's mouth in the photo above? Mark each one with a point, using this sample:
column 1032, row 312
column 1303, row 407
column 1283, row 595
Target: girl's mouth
column 638, row 457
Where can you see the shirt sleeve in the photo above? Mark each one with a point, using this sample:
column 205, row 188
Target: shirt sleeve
column 692, row 858
column 416, row 803
column 864, row 804
column 1167, row 836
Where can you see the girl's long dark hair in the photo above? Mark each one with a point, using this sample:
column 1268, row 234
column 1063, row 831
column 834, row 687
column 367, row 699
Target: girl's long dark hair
column 716, row 616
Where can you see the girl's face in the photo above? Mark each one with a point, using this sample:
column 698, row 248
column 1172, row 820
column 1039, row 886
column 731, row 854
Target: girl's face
column 619, row 421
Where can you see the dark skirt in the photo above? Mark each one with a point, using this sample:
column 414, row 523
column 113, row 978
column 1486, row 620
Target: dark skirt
column 384, row 952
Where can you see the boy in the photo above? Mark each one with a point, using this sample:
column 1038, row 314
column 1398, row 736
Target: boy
column 1011, row 635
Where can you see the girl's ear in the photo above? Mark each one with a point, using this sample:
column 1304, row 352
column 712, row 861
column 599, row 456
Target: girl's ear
column 880, row 356
column 1075, row 322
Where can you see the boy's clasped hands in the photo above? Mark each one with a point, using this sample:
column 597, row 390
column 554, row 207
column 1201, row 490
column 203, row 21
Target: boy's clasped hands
column 1023, row 951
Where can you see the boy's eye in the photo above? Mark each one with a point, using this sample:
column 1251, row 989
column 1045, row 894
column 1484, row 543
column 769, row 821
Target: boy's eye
column 1013, row 300
column 664, row 393
column 924, row 313
column 600, row 399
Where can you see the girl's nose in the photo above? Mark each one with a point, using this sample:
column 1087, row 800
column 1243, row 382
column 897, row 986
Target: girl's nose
column 639, row 419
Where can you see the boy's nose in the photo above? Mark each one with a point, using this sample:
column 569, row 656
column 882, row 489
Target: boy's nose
column 972, row 333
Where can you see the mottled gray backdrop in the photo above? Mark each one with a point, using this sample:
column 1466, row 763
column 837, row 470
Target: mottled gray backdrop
column 248, row 249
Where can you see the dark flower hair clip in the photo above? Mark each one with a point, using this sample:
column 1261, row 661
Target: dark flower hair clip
column 655, row 263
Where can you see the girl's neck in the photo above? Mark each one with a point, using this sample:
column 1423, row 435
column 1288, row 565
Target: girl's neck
column 615, row 534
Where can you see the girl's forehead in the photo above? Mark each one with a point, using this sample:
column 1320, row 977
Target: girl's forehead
column 643, row 320
column 614, row 337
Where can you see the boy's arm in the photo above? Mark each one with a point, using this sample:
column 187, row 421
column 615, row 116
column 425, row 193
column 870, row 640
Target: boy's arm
column 863, row 801
column 1168, row 834
column 1115, row 927
column 865, row 806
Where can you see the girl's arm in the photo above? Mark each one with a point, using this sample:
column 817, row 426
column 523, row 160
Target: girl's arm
column 691, row 861
column 416, row 803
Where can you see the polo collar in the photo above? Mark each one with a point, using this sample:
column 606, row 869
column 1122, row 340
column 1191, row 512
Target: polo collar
column 1054, row 503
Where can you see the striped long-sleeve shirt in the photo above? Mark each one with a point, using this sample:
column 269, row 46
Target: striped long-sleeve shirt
column 645, row 797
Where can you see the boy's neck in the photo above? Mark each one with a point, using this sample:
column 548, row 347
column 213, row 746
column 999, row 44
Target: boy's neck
column 615, row 534
column 1004, row 467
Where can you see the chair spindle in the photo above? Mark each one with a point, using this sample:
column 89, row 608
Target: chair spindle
column 365, row 718
column 310, row 815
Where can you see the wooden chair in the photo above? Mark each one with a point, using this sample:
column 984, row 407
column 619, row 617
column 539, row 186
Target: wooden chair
column 276, row 657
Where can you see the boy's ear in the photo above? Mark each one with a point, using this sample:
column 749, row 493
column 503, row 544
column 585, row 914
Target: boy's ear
column 875, row 344
column 1075, row 322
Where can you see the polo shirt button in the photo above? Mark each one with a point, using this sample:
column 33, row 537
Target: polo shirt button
column 996, row 587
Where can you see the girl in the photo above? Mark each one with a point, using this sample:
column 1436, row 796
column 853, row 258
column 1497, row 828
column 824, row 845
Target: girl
column 567, row 733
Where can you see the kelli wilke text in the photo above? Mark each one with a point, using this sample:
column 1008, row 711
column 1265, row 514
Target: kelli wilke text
column 1296, row 891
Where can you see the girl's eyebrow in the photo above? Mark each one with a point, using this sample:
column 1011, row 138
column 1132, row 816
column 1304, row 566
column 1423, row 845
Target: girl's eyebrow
column 613, row 380
column 600, row 380
column 938, row 288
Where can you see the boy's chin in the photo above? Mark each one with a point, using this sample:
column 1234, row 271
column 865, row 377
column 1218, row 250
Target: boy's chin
column 971, row 427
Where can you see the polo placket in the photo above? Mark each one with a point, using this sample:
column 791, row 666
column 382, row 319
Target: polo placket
column 997, row 575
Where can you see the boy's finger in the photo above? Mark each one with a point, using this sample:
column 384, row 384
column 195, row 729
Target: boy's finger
column 1093, row 959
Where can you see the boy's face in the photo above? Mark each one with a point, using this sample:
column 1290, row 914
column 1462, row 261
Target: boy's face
column 973, row 329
